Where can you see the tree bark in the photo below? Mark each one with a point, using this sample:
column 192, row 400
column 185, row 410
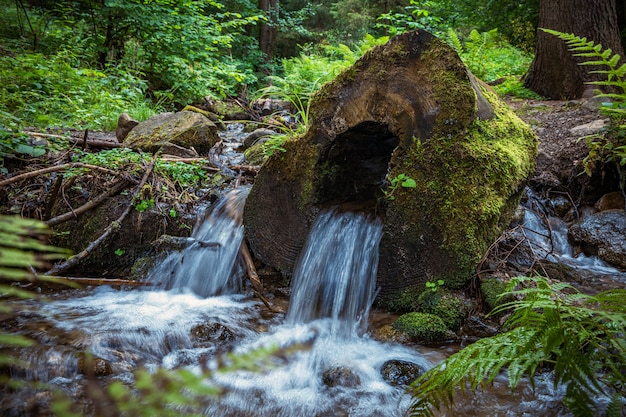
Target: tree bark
column 555, row 73
column 268, row 30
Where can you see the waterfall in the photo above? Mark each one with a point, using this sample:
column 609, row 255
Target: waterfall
column 335, row 276
column 209, row 265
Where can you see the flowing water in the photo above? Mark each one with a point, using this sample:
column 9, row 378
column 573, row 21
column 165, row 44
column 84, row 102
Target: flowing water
column 201, row 310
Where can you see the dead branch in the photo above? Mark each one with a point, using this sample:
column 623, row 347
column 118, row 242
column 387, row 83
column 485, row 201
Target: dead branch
column 246, row 169
column 53, row 197
column 72, row 261
column 117, row 188
column 254, row 277
column 95, row 143
column 56, row 168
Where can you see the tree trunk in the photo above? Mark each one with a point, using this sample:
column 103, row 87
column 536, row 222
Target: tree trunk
column 268, row 30
column 555, row 72
column 406, row 109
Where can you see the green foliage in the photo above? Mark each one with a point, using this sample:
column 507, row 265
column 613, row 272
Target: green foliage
column 401, row 180
column 179, row 175
column 609, row 147
column 20, row 249
column 13, row 142
column 552, row 325
column 434, row 286
column 417, row 15
column 46, row 91
column 421, row 327
column 488, row 56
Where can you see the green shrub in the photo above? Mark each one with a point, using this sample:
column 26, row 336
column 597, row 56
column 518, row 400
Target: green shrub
column 54, row 91
column 421, row 327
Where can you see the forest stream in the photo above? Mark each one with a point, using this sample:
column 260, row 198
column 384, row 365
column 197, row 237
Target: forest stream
column 330, row 363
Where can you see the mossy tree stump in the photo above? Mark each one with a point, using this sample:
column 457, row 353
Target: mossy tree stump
column 407, row 107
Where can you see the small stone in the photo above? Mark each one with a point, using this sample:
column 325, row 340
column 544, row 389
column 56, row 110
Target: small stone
column 341, row 376
column 400, row 373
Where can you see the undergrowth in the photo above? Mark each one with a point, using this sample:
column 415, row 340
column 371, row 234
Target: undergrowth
column 552, row 327
column 608, row 146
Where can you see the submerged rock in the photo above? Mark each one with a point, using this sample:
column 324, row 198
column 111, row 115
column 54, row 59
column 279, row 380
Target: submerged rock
column 602, row 234
column 341, row 376
column 397, row 372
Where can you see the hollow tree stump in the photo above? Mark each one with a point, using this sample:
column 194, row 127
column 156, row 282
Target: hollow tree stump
column 407, row 107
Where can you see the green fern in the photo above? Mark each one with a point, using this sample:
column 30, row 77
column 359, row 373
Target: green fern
column 580, row 337
column 603, row 58
column 609, row 146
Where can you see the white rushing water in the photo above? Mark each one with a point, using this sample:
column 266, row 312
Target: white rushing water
column 208, row 265
column 336, row 274
column 336, row 371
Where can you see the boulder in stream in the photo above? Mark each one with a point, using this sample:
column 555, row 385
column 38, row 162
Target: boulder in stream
column 410, row 134
column 397, row 372
column 602, row 234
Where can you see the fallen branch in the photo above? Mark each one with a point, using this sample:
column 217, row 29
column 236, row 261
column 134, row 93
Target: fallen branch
column 96, row 143
column 72, row 261
column 68, row 281
column 56, row 168
column 116, row 189
column 254, row 277
column 247, row 169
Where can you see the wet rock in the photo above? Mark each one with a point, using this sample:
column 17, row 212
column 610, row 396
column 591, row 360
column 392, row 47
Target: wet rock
column 610, row 201
column 561, row 205
column 400, row 373
column 422, row 327
column 124, row 125
column 187, row 129
column 211, row 333
column 452, row 308
column 256, row 135
column 255, row 154
column 340, row 376
column 602, row 234
column 387, row 334
column 92, row 365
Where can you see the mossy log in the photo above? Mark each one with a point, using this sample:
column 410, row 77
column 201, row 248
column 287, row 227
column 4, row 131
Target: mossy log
column 407, row 107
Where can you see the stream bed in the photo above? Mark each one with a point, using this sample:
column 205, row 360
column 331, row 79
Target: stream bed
column 190, row 321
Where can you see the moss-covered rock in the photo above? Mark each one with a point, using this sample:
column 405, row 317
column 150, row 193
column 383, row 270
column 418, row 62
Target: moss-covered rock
column 450, row 307
column 491, row 288
column 422, row 327
column 186, row 128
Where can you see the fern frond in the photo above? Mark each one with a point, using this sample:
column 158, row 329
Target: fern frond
column 580, row 336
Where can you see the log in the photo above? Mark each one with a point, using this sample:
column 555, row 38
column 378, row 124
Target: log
column 407, row 108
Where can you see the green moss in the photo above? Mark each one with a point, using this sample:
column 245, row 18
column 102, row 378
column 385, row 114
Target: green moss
column 470, row 176
column 447, row 306
column 491, row 288
column 421, row 327
column 404, row 301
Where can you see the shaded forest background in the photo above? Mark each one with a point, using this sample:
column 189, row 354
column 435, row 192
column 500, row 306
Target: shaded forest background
column 79, row 64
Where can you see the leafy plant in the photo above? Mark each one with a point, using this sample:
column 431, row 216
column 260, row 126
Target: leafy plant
column 434, row 286
column 417, row 15
column 20, row 250
column 402, row 180
column 552, row 326
column 608, row 146
column 488, row 56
